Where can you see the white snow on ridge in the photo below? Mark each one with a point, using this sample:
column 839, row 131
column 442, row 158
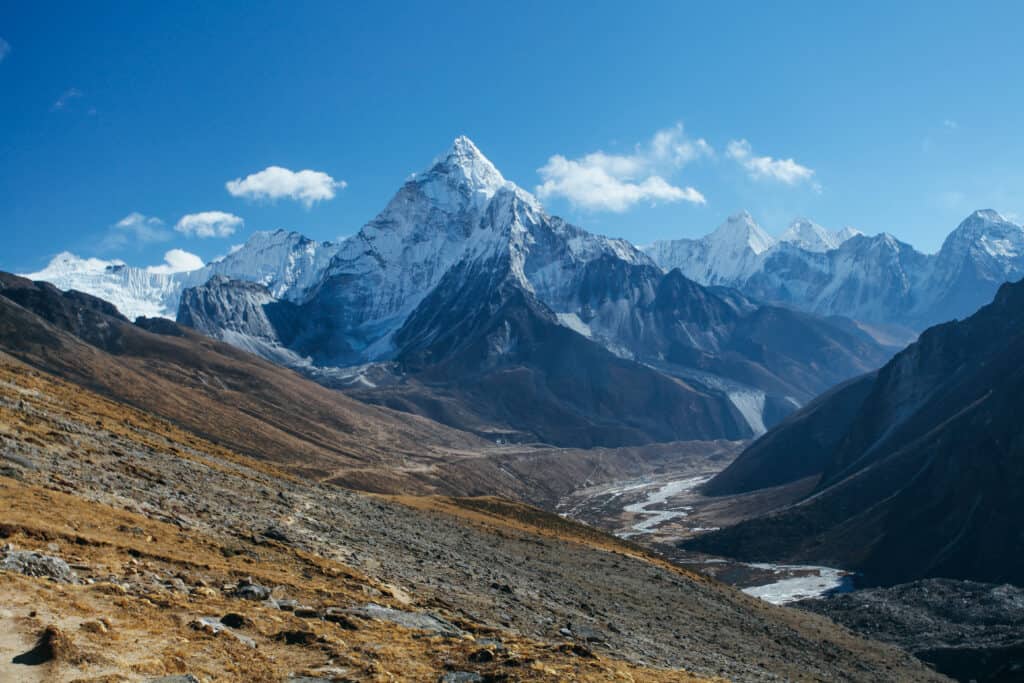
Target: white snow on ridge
column 810, row 236
column 287, row 263
column 573, row 322
column 134, row 291
column 750, row 403
column 729, row 254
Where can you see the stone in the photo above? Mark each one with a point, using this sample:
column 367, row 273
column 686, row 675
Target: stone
column 236, row 620
column 213, row 626
column 36, row 564
column 250, row 590
column 417, row 620
column 339, row 616
column 461, row 677
column 297, row 637
column 590, row 634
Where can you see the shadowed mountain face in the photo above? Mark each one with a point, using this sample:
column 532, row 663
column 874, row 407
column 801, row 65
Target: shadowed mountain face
column 485, row 340
column 919, row 467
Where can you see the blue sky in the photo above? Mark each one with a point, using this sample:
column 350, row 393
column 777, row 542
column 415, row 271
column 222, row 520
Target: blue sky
column 899, row 119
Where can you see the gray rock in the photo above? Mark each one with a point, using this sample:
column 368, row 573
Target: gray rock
column 250, row 590
column 177, row 585
column 213, row 626
column 461, row 677
column 590, row 634
column 36, row 564
column 416, row 620
column 340, row 617
column 18, row 460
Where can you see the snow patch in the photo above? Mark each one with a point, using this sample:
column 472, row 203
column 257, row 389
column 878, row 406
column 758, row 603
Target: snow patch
column 573, row 322
column 750, row 403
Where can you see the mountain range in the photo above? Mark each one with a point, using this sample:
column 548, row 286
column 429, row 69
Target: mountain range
column 876, row 280
column 465, row 302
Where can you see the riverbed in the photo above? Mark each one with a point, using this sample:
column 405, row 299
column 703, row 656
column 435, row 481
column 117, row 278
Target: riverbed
column 659, row 512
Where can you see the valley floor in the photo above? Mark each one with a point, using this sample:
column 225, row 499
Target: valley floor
column 663, row 509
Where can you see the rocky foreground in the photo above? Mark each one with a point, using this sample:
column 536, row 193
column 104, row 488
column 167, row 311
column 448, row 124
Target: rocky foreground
column 137, row 550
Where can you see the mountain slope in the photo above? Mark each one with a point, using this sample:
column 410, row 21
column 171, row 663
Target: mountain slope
column 919, row 467
column 221, row 392
column 168, row 531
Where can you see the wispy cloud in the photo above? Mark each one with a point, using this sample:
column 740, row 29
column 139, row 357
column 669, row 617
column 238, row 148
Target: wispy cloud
column 950, row 124
column 134, row 228
column 615, row 182
column 5, row 49
column 177, row 261
column 65, row 98
column 785, row 171
column 276, row 182
column 209, row 224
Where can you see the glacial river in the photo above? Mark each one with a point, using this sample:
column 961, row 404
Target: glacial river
column 795, row 582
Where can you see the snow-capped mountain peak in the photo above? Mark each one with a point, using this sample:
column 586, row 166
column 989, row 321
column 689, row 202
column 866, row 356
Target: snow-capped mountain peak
column 66, row 263
column 847, row 233
column 462, row 175
column 741, row 231
column 986, row 231
column 808, row 235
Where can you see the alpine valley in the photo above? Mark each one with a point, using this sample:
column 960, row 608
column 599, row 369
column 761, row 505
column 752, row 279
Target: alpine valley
column 475, row 442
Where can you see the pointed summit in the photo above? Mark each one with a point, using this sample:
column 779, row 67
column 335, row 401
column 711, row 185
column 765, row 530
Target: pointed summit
column 742, row 231
column 809, row 236
column 464, row 170
column 985, row 232
column 982, row 217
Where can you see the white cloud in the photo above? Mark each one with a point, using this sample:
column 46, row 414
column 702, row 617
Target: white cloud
column 275, row 182
column 209, row 224
column 135, row 227
column 785, row 171
column 5, row 49
column 65, row 98
column 177, row 261
column 615, row 182
column 145, row 228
